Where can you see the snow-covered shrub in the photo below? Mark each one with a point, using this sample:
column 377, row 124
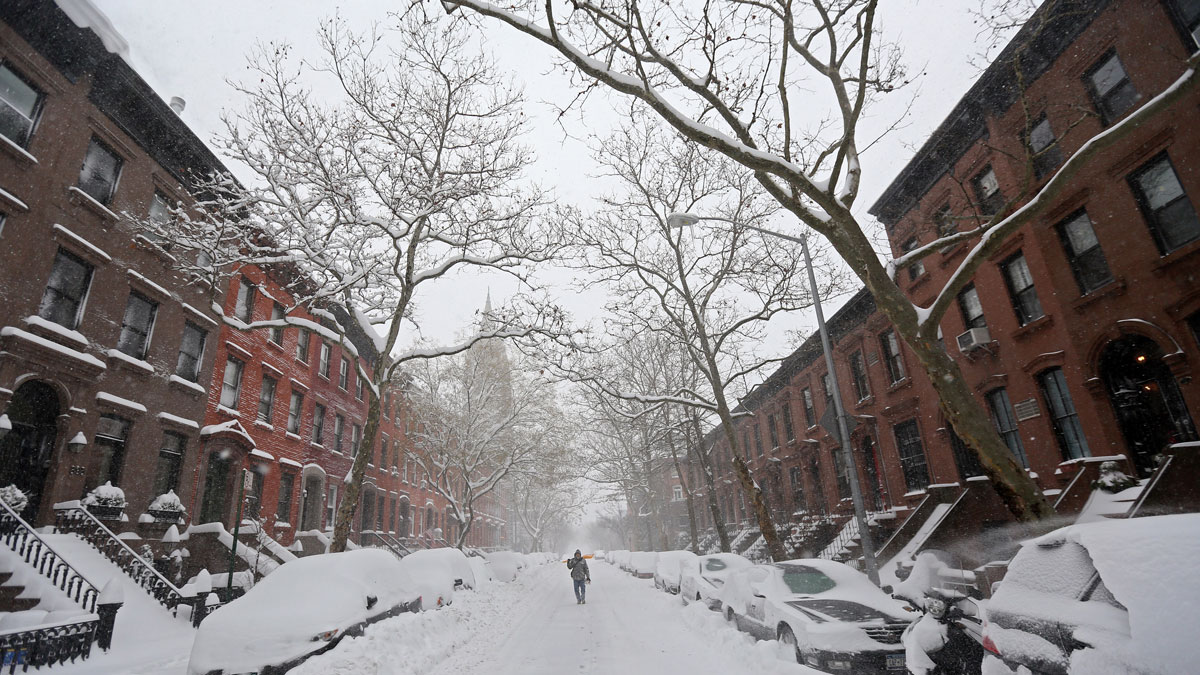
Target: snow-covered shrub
column 167, row 506
column 16, row 500
column 1112, row 479
column 106, row 495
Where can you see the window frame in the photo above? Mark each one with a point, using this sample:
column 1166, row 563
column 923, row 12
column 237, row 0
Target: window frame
column 303, row 344
column 198, row 358
column 266, row 398
column 1076, row 259
column 119, row 160
column 35, row 113
column 858, row 376
column 1152, row 215
column 913, row 465
column 1101, row 101
column 344, row 374
column 969, row 322
column 1004, row 419
column 917, row 269
column 145, row 334
column 789, row 427
column 318, row 428
column 988, row 203
column 810, row 412
column 243, row 308
column 1048, row 157
column 275, row 333
column 893, row 361
column 236, row 387
column 339, row 431
column 324, row 358
column 173, row 458
column 79, row 303
column 283, row 505
column 1025, row 301
column 295, row 412
column 1064, row 417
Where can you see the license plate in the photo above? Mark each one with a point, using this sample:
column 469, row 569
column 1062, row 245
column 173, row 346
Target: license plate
column 895, row 662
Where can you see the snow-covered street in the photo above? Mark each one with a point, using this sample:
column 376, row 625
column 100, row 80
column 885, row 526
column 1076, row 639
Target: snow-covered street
column 534, row 626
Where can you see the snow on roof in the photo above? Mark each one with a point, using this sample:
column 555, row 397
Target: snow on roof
column 230, row 427
column 13, row 331
column 112, row 399
column 168, row 417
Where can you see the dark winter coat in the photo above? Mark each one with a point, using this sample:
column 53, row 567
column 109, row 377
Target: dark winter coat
column 579, row 569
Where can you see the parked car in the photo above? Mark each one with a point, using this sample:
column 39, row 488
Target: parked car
column 506, row 564
column 667, row 569
column 619, row 558
column 702, row 578
column 1115, row 596
column 832, row 616
column 641, row 564
column 453, row 560
column 482, row 569
column 303, row 608
column 435, row 579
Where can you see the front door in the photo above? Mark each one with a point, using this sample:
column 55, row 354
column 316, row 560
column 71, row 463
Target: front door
column 1146, row 399
column 25, row 451
column 215, row 504
column 310, row 511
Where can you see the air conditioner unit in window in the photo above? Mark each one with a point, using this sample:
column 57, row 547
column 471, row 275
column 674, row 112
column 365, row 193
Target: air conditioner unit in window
column 973, row 339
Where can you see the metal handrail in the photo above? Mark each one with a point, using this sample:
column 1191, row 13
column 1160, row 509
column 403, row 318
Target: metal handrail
column 47, row 645
column 75, row 519
column 19, row 536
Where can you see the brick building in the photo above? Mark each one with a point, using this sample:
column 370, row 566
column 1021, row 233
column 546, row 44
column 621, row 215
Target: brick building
column 1080, row 334
column 103, row 364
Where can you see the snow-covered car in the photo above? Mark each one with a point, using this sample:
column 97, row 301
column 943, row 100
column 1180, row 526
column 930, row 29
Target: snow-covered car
column 619, row 558
column 303, row 608
column 832, row 616
column 453, row 560
column 701, row 579
column 641, row 564
column 435, row 579
column 599, row 555
column 667, row 569
column 482, row 569
column 1115, row 596
column 506, row 565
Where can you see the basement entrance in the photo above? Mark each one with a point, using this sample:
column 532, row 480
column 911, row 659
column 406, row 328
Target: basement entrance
column 25, row 451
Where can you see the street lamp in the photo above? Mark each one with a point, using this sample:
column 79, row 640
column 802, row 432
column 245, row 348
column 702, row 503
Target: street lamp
column 860, row 512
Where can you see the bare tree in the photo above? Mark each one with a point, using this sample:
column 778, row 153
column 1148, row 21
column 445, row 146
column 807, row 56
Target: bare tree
column 373, row 174
column 485, row 421
column 710, row 293
column 780, row 87
column 547, row 502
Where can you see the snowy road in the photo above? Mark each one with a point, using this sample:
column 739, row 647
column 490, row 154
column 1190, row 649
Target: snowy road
column 533, row 626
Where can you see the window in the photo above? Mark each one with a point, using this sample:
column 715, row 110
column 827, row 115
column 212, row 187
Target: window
column 266, row 399
column 276, row 333
column 170, row 459
column 943, row 220
column 677, row 493
column 858, row 377
column 66, row 291
column 918, row 268
column 244, row 309
column 841, row 470
column 385, row 444
column 965, row 460
column 1043, row 148
column 344, row 375
column 339, row 429
column 294, row 407
column 323, row 359
column 287, row 485
column 789, row 429
column 20, row 104
column 971, row 308
column 890, row 345
column 137, row 326
column 1168, row 211
column 987, row 192
column 1020, row 289
column 912, row 455
column 100, row 171
column 810, row 415
column 827, row 387
column 160, row 215
column 303, row 337
column 758, row 446
column 796, row 477
column 111, row 434
column 1083, row 252
column 191, row 352
column 318, row 435
column 330, row 505
column 1110, row 88
column 1188, row 13
column 1067, row 428
column 231, row 385
column 746, row 447
column 773, row 432
column 355, row 440
column 359, row 388
column 1006, row 423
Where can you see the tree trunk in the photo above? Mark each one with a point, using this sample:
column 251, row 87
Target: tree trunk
column 353, row 487
column 687, row 495
column 710, row 487
column 766, row 525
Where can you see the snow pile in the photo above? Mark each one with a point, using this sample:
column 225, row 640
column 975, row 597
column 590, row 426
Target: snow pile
column 1112, row 479
column 289, row 613
column 667, row 567
column 105, row 495
column 168, row 501
column 506, row 564
column 432, row 577
column 12, row 495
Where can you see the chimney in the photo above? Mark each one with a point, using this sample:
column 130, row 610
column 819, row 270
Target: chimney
column 178, row 104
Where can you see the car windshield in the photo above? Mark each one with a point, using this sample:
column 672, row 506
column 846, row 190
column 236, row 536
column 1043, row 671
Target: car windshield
column 806, row 580
column 715, row 565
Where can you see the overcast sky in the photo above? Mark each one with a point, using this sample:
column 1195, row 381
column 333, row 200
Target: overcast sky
column 189, row 49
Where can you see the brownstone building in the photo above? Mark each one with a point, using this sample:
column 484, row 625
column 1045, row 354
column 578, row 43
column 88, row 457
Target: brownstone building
column 1080, row 334
column 105, row 349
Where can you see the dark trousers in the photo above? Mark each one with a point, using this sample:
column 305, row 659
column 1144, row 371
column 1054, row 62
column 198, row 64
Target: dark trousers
column 580, row 589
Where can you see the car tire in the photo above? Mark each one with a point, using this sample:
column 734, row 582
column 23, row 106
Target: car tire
column 787, row 637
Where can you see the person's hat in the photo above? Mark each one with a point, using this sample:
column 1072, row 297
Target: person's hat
column 577, row 552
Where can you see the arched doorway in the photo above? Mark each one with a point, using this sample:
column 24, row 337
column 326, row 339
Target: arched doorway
column 25, row 451
column 1145, row 397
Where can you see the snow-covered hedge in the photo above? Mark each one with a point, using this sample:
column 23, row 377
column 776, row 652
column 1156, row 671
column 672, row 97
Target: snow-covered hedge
column 14, row 497
column 106, row 495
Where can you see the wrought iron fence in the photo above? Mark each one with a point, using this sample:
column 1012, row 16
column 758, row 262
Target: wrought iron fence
column 19, row 536
column 47, row 645
column 74, row 519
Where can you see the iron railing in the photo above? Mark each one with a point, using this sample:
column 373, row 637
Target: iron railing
column 386, row 541
column 47, row 645
column 19, row 536
column 72, row 518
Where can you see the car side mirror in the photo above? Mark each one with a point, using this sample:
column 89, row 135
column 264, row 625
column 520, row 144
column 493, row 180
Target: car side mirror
column 371, row 601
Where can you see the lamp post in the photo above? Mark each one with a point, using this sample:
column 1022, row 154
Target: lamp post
column 679, row 220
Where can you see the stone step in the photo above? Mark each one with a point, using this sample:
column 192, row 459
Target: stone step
column 10, row 600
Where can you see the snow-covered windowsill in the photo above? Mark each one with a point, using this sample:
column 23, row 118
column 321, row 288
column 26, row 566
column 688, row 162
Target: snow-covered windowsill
column 92, row 204
column 188, row 386
column 18, row 153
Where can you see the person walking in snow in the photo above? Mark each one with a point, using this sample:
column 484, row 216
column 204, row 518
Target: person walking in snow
column 580, row 575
